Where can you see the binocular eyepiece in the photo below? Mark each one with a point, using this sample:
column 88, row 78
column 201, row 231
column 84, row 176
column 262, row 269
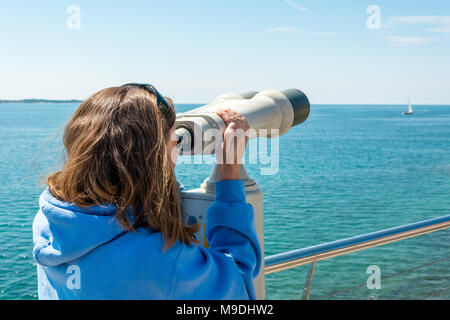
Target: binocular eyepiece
column 269, row 113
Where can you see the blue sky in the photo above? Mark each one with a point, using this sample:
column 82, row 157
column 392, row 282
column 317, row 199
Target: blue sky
column 193, row 50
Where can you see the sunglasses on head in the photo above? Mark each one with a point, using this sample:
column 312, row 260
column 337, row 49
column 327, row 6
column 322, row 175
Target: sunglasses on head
column 160, row 100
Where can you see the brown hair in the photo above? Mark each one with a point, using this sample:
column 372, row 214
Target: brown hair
column 116, row 145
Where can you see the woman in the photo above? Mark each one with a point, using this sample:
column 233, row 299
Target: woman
column 110, row 224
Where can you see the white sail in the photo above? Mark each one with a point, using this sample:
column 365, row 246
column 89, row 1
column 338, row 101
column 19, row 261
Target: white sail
column 410, row 110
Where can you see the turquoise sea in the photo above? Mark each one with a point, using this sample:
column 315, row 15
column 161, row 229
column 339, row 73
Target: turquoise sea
column 348, row 170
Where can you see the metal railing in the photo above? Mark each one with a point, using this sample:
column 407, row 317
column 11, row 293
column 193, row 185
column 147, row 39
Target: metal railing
column 311, row 255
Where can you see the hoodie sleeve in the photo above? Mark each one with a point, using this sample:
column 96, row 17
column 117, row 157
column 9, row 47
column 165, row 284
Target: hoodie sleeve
column 227, row 268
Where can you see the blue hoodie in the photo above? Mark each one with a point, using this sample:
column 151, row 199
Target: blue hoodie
column 86, row 254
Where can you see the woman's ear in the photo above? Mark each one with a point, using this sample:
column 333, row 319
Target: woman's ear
column 172, row 147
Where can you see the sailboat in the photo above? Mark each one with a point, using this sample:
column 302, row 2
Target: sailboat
column 410, row 110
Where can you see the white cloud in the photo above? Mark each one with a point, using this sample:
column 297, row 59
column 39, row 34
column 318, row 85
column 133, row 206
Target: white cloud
column 441, row 23
column 421, row 20
column 296, row 6
column 443, row 29
column 409, row 40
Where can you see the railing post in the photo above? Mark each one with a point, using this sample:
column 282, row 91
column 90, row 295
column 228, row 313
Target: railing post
column 309, row 281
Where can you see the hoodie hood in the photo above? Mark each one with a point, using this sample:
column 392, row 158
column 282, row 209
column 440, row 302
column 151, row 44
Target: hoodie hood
column 63, row 232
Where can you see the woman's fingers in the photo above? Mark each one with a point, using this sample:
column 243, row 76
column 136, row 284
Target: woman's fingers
column 229, row 116
column 235, row 139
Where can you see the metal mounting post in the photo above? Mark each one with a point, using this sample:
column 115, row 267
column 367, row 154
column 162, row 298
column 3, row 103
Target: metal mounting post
column 309, row 281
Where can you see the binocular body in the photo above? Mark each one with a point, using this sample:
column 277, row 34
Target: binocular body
column 269, row 113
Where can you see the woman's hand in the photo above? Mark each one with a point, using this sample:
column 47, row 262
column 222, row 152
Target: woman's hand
column 234, row 144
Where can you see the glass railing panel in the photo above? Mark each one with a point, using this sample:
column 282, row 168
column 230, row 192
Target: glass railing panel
column 416, row 268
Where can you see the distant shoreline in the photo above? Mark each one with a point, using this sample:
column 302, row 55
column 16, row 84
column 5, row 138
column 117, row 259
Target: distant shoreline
column 38, row 101
column 41, row 101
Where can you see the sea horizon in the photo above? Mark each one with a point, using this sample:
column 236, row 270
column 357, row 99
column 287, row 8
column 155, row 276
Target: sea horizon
column 62, row 101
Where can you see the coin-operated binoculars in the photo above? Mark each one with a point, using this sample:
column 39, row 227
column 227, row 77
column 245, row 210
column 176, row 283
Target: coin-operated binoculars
column 270, row 114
